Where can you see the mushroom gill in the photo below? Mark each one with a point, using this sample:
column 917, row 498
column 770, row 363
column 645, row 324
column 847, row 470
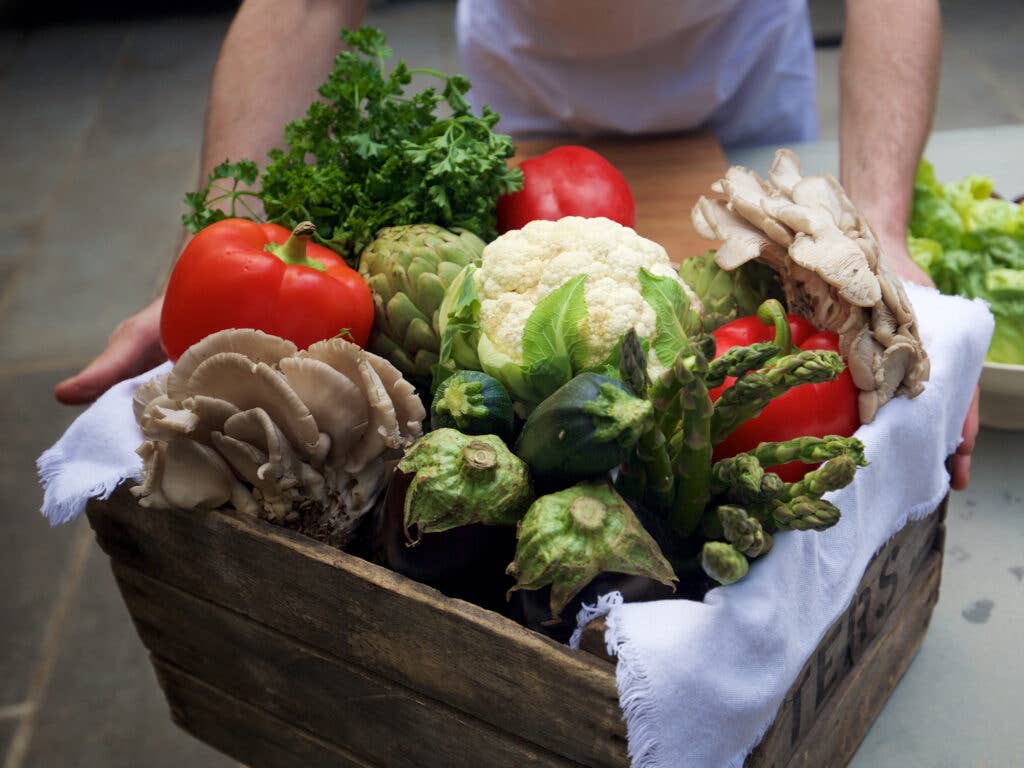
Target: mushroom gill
column 831, row 267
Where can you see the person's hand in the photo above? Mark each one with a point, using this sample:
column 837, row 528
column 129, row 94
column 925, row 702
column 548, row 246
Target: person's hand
column 895, row 249
column 134, row 348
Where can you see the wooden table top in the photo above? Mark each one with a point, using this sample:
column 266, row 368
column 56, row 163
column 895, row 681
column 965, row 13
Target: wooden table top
column 667, row 175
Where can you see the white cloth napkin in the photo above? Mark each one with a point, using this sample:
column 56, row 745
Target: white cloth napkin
column 700, row 683
column 95, row 454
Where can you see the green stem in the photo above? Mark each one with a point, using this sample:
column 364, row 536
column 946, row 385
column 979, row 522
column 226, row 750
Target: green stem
column 293, row 251
column 652, row 452
column 771, row 312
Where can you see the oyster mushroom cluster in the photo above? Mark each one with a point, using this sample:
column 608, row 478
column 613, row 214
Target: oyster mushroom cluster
column 831, row 267
column 303, row 439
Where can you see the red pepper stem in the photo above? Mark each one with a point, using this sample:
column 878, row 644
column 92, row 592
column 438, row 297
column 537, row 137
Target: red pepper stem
column 294, row 249
column 771, row 312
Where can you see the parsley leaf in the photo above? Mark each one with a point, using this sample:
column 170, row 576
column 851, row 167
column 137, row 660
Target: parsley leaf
column 367, row 155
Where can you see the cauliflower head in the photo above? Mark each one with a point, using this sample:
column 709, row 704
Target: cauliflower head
column 523, row 266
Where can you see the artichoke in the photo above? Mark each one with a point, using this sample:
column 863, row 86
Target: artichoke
column 728, row 295
column 408, row 269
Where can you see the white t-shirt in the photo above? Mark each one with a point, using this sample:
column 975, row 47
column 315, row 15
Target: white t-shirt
column 743, row 68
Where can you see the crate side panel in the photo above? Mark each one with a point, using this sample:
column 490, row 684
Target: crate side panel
column 349, row 609
column 889, row 576
column 339, row 703
column 840, row 728
column 242, row 731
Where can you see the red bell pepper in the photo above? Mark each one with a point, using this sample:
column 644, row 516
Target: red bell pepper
column 813, row 410
column 567, row 181
column 236, row 273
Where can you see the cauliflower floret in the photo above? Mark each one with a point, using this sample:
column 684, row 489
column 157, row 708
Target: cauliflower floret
column 523, row 266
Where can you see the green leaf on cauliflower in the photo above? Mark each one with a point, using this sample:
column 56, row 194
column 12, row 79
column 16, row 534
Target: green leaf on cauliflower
column 458, row 321
column 675, row 318
column 554, row 346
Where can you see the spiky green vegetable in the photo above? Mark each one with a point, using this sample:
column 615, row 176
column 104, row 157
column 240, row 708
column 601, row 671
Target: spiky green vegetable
column 408, row 269
column 568, row 538
column 461, row 479
column 727, row 295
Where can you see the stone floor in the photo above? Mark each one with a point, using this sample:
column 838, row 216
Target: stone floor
column 101, row 129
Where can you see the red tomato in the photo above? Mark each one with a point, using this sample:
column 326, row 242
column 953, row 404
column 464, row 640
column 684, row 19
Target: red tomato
column 567, row 181
column 813, row 410
column 226, row 278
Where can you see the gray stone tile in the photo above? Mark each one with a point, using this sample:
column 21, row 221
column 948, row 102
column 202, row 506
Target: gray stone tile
column 104, row 706
column 32, row 555
column 49, row 100
column 99, row 258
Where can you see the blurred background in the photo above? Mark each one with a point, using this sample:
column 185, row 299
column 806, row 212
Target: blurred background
column 102, row 106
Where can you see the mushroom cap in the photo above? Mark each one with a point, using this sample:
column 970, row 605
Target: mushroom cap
column 334, row 399
column 831, row 266
column 244, row 384
column 256, row 345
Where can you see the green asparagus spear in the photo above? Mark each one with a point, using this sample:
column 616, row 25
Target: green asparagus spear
column 633, row 364
column 804, row 513
column 693, row 462
column 652, row 453
column 835, row 474
column 739, row 360
column 810, row 450
column 743, row 531
column 723, row 562
column 749, row 395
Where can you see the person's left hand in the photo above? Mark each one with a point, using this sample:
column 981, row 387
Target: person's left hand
column 898, row 256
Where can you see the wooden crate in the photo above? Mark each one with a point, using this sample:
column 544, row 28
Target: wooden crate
column 282, row 651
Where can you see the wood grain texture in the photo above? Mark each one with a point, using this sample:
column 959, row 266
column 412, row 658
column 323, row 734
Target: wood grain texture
column 880, row 601
column 838, row 731
column 341, row 704
column 243, row 731
column 473, row 660
column 667, row 175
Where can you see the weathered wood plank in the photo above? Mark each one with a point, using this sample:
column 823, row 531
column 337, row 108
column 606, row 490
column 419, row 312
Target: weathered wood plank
column 349, row 609
column 889, row 577
column 242, row 731
column 667, row 174
column 337, row 702
column 840, row 728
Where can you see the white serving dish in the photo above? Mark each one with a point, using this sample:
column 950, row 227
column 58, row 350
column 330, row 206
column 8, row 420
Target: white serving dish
column 1002, row 396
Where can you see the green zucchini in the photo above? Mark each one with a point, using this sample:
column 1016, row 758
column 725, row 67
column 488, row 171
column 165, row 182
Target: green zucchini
column 473, row 403
column 584, row 429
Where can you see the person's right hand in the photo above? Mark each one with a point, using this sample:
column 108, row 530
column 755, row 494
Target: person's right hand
column 134, row 348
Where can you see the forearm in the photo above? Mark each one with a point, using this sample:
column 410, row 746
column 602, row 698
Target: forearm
column 889, row 72
column 274, row 57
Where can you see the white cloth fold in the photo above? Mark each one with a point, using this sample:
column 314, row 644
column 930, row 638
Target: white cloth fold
column 95, row 454
column 699, row 682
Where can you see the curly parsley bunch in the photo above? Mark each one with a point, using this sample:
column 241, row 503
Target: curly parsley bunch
column 368, row 156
